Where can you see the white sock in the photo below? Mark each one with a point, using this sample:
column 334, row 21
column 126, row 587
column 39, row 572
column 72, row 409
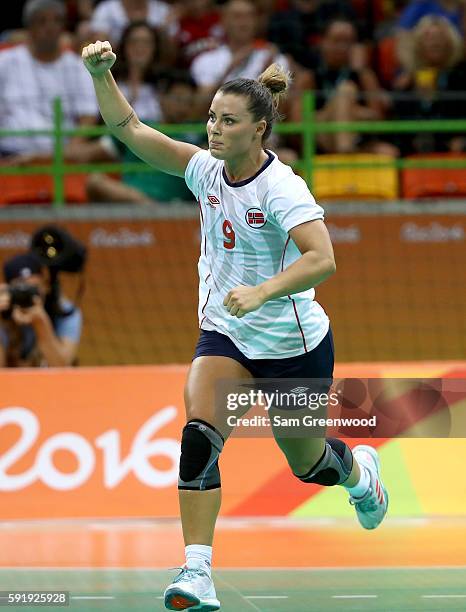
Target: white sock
column 199, row 553
column 361, row 487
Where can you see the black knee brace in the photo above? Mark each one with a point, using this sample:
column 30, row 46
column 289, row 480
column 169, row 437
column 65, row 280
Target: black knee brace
column 334, row 467
column 201, row 445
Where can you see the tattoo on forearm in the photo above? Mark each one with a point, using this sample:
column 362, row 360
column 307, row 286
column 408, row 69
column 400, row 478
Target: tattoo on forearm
column 127, row 120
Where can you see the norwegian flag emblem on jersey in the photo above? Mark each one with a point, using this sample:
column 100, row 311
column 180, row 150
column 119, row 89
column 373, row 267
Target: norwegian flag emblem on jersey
column 255, row 218
column 213, row 200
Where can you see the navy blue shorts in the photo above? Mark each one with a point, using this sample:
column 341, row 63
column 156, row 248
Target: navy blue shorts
column 317, row 363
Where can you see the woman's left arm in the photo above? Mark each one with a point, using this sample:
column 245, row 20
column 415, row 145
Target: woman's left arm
column 317, row 262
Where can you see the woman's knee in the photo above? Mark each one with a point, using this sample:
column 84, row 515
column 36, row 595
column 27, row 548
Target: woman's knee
column 201, row 445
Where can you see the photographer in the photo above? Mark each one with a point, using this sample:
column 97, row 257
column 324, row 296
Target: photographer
column 38, row 327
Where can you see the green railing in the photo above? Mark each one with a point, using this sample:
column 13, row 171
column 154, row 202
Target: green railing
column 308, row 129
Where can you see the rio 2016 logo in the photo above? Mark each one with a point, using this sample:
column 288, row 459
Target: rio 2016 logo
column 115, row 467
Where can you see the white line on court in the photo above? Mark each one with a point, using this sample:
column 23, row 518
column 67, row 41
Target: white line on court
column 265, row 596
column 354, row 596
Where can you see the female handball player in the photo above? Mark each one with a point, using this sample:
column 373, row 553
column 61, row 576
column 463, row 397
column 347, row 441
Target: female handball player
column 264, row 248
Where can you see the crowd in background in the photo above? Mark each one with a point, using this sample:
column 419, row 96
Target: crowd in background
column 366, row 60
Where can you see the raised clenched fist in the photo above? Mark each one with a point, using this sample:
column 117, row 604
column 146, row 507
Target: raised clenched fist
column 98, row 57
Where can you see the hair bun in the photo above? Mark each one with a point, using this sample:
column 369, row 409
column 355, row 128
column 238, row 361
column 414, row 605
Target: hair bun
column 275, row 78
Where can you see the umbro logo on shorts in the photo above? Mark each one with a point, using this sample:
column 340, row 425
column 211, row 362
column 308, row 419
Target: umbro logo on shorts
column 213, row 201
column 255, row 218
column 297, row 390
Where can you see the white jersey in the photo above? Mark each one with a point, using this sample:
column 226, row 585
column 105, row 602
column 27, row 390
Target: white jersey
column 245, row 241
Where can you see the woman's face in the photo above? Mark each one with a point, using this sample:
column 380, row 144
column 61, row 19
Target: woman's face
column 240, row 22
column 140, row 47
column 434, row 46
column 337, row 44
column 231, row 128
column 45, row 30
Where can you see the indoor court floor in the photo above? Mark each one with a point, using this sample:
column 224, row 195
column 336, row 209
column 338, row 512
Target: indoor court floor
column 267, row 565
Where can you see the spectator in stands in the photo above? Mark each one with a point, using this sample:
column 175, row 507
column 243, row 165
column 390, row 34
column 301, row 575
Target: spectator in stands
column 342, row 93
column 453, row 10
column 429, row 86
column 38, row 327
column 31, row 76
column 111, row 17
column 298, row 30
column 198, row 29
column 139, row 78
column 141, row 60
column 240, row 56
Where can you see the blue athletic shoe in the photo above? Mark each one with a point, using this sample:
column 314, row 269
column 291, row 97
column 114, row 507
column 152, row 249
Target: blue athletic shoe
column 372, row 507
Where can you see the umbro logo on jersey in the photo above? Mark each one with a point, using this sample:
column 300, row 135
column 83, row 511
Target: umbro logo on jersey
column 255, row 218
column 213, row 201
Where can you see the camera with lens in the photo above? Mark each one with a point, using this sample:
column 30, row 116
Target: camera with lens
column 60, row 252
column 22, row 295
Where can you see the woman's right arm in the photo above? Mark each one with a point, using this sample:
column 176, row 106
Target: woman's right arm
column 152, row 146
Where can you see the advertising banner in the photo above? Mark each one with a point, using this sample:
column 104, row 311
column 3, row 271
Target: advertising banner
column 105, row 442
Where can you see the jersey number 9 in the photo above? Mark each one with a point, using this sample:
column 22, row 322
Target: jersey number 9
column 229, row 233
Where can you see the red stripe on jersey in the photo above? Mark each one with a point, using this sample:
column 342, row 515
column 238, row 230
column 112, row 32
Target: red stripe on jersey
column 290, row 298
column 202, row 311
column 208, row 296
column 299, row 323
column 284, row 251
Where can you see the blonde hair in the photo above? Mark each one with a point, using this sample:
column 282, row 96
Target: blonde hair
column 409, row 52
